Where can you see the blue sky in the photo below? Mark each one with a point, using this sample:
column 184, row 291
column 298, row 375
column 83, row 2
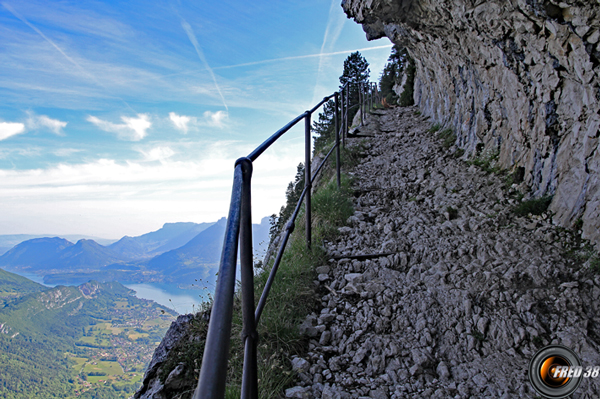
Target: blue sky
column 117, row 117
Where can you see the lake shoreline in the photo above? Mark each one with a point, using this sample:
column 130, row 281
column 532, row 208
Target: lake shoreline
column 182, row 298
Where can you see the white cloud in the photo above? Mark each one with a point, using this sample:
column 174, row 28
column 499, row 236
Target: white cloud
column 215, row 119
column 112, row 198
column 133, row 129
column 35, row 122
column 180, row 121
column 158, row 154
column 8, row 129
column 211, row 119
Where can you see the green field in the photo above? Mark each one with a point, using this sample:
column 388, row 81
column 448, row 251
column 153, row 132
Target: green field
column 109, row 344
column 60, row 343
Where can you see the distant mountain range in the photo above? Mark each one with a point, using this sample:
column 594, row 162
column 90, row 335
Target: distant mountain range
column 170, row 236
column 7, row 241
column 178, row 252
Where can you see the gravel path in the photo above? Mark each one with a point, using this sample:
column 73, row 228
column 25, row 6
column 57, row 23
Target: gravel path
column 468, row 295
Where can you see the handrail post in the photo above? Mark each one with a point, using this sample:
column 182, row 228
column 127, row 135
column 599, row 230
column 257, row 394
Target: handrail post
column 211, row 382
column 361, row 100
column 337, row 140
column 362, row 104
column 375, row 94
column 375, row 91
column 373, row 99
column 347, row 127
column 249, row 334
column 366, row 99
column 307, row 178
column 341, row 96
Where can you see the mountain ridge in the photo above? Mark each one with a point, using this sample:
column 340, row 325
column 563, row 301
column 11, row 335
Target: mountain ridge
column 151, row 257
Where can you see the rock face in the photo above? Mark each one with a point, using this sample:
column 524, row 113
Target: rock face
column 173, row 370
column 518, row 77
column 465, row 294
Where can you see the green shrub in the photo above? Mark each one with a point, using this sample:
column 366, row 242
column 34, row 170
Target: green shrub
column 578, row 225
column 595, row 264
column 435, row 128
column 535, row 206
column 391, row 98
column 486, row 161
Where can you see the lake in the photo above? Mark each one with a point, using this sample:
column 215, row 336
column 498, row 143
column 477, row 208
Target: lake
column 33, row 277
column 181, row 300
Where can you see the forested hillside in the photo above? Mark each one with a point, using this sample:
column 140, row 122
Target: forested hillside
column 90, row 341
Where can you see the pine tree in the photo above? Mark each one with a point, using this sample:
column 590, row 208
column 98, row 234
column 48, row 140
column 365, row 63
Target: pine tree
column 292, row 196
column 325, row 126
column 356, row 70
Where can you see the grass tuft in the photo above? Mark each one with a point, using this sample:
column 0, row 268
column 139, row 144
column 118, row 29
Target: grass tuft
column 595, row 263
column 582, row 253
column 487, row 162
column 448, row 137
column 352, row 155
column 536, row 206
column 435, row 128
column 331, row 207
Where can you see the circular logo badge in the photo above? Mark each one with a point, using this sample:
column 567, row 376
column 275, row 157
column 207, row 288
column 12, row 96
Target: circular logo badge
column 555, row 372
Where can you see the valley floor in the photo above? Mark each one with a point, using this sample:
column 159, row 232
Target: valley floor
column 469, row 293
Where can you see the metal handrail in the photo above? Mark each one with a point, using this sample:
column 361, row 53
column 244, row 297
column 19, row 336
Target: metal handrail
column 212, row 379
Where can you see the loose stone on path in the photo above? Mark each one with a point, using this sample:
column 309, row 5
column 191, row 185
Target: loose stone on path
column 467, row 295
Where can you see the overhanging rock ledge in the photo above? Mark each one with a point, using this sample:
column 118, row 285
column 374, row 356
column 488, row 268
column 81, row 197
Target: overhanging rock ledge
column 519, row 78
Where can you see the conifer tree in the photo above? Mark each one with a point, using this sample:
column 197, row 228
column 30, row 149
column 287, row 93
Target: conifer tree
column 399, row 64
column 356, row 70
column 324, row 127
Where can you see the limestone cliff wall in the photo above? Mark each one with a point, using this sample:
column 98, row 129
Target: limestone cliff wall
column 521, row 77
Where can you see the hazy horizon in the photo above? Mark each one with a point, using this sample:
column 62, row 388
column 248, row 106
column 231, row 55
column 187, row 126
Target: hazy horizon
column 86, row 236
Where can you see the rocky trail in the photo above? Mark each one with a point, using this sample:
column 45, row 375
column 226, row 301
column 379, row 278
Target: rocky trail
column 469, row 293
